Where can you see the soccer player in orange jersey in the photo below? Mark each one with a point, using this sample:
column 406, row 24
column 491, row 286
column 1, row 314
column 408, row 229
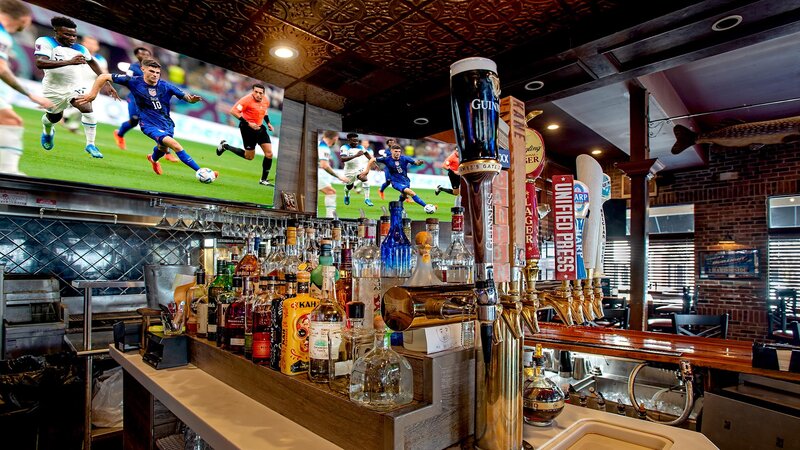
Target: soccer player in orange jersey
column 451, row 166
column 251, row 111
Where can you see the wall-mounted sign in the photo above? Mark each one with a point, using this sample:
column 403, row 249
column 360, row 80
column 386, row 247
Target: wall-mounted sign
column 534, row 153
column 564, row 227
column 730, row 264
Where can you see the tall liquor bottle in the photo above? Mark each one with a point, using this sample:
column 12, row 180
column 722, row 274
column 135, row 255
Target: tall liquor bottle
column 437, row 255
column 410, row 237
column 198, row 298
column 248, row 266
column 382, row 379
column 396, row 248
column 311, row 251
column 458, row 260
column 356, row 340
column 249, row 296
column 324, row 321
column 344, row 285
column 384, row 224
column 262, row 322
column 275, row 263
column 293, row 259
column 325, row 259
column 336, row 242
column 295, row 328
column 367, row 273
column 276, row 322
column 234, row 319
column 220, row 284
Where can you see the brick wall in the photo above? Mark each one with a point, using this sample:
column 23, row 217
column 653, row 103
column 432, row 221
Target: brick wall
column 737, row 208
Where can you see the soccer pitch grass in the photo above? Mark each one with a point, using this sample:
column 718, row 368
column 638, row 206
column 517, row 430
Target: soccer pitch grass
column 414, row 211
column 238, row 178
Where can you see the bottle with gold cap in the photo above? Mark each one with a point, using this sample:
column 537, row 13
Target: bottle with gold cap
column 542, row 399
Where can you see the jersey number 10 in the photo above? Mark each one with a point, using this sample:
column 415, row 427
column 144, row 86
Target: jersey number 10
column 156, row 104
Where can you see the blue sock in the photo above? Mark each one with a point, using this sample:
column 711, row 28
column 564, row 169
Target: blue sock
column 385, row 185
column 124, row 128
column 186, row 159
column 157, row 154
column 418, row 200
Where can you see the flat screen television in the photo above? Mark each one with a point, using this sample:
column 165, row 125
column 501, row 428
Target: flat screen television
column 425, row 168
column 199, row 127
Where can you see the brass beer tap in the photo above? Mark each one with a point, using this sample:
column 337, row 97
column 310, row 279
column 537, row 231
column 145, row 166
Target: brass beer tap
column 560, row 300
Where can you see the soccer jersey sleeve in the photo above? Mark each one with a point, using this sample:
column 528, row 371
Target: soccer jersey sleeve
column 174, row 90
column 43, row 47
column 120, row 78
column 381, row 159
column 323, row 152
column 6, row 42
column 84, row 51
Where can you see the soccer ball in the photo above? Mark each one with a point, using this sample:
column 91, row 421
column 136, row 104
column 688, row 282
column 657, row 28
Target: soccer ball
column 205, row 175
column 430, row 209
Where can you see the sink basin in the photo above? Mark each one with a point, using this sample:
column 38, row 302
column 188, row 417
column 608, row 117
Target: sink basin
column 598, row 434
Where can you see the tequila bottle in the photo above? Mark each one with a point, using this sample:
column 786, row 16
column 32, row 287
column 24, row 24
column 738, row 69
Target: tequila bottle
column 382, row 379
column 367, row 273
column 458, row 260
column 396, row 248
column 325, row 260
column 356, row 340
column 325, row 322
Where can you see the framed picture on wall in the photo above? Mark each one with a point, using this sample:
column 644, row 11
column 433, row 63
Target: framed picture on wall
column 729, row 264
column 652, row 187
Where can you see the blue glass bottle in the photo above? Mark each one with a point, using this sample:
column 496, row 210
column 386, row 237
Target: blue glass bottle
column 396, row 248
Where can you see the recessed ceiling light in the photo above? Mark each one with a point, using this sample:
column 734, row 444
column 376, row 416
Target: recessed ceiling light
column 534, row 85
column 726, row 23
column 283, row 52
column 791, row 199
column 597, row 151
column 421, row 121
column 553, row 126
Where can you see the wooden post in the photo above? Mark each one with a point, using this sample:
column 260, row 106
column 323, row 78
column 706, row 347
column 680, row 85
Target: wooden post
column 639, row 169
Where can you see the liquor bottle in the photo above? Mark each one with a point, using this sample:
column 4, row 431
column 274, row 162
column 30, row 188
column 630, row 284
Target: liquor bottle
column 423, row 272
column 301, row 238
column 262, row 255
column 384, row 224
column 311, row 251
column 220, row 284
column 437, row 255
column 248, row 266
column 367, row 273
column 356, row 340
column 458, row 260
column 225, row 299
column 324, row 321
column 249, row 296
column 382, row 379
column 410, row 237
column 325, row 260
column 234, row 319
column 336, row 242
column 396, row 248
column 293, row 259
column 275, row 263
column 198, row 298
column 262, row 322
column 542, row 399
column 344, row 285
column 295, row 328
column 276, row 322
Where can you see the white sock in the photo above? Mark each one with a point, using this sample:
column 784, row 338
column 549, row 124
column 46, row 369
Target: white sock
column 365, row 186
column 47, row 125
column 10, row 149
column 330, row 205
column 89, row 127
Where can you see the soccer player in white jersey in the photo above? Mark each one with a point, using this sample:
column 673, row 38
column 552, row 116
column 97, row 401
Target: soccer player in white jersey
column 355, row 158
column 69, row 72
column 14, row 17
column 325, row 173
column 72, row 117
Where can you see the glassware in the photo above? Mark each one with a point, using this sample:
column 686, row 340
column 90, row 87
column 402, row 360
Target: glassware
column 396, row 248
column 423, row 272
column 458, row 260
column 356, row 340
column 325, row 323
column 382, row 379
column 437, row 255
column 367, row 272
column 542, row 399
column 163, row 224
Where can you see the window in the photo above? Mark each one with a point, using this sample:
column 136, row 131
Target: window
column 783, row 258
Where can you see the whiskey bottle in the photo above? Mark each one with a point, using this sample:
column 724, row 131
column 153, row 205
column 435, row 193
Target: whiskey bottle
column 325, row 322
column 234, row 319
column 344, row 285
column 542, row 399
column 248, row 266
column 262, row 322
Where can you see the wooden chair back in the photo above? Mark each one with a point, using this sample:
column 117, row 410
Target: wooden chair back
column 701, row 325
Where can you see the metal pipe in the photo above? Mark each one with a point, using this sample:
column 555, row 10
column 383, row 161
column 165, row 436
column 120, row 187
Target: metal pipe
column 87, row 345
column 685, row 375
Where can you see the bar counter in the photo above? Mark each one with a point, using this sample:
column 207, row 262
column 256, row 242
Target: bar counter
column 722, row 354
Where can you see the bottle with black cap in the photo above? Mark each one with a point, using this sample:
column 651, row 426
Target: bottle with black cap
column 356, row 340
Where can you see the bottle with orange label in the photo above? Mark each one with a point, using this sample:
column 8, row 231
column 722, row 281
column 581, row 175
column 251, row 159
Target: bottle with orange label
column 295, row 328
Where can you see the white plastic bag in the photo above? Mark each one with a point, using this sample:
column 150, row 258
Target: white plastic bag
column 107, row 400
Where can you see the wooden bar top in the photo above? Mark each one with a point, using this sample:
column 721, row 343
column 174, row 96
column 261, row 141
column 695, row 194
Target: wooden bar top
column 722, row 354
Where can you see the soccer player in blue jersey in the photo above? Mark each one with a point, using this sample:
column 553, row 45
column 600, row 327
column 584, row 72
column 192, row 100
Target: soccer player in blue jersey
column 397, row 164
column 152, row 96
column 135, row 70
column 389, row 143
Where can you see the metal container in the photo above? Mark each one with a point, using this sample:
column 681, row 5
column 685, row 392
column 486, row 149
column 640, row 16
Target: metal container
column 158, row 280
column 32, row 316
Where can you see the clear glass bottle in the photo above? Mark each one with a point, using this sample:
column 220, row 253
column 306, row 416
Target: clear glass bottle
column 437, row 255
column 262, row 322
column 198, row 299
column 384, row 224
column 356, row 340
column 248, row 266
column 410, row 237
column 249, row 297
column 293, row 259
column 276, row 322
column 233, row 331
column 367, row 273
column 219, row 284
column 382, row 379
column 423, row 272
column 275, row 260
column 344, row 285
column 396, row 248
column 325, row 260
column 325, row 322
column 542, row 399
column 458, row 260
column 311, row 251
column 336, row 242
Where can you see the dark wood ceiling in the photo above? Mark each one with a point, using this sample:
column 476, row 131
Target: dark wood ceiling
column 384, row 63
